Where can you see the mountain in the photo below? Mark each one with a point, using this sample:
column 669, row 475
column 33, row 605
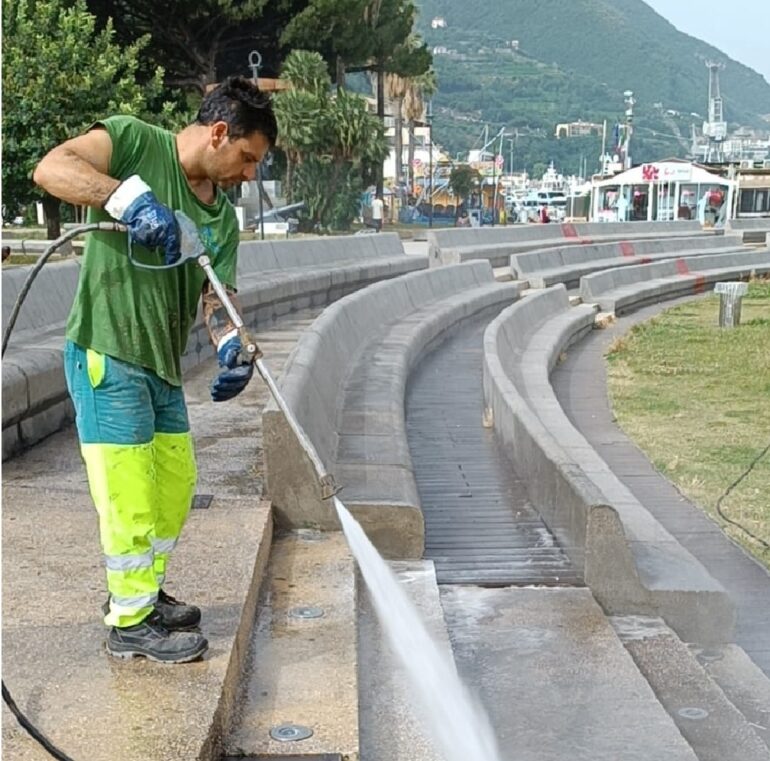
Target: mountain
column 572, row 60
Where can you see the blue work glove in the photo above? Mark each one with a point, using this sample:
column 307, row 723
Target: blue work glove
column 149, row 222
column 238, row 371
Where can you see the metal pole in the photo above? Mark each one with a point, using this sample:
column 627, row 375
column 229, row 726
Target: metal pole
column 430, row 160
column 261, row 212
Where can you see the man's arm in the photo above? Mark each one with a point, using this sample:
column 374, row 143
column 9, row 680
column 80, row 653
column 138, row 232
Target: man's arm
column 218, row 322
column 237, row 369
column 77, row 170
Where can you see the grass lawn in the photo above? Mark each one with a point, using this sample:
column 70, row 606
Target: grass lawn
column 696, row 399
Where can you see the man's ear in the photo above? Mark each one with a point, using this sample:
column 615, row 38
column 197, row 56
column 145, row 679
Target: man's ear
column 219, row 133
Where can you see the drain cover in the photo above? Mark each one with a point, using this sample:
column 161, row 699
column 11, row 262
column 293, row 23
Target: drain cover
column 306, row 611
column 202, row 501
column 287, row 733
column 693, row 713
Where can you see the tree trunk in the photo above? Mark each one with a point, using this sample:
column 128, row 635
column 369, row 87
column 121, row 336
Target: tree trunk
column 52, row 211
column 410, row 157
column 399, row 142
column 340, row 73
column 381, row 116
column 289, row 192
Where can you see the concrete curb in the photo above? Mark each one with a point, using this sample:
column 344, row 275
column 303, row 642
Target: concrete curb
column 353, row 415
column 631, row 563
column 623, row 289
column 275, row 278
column 498, row 243
column 567, row 264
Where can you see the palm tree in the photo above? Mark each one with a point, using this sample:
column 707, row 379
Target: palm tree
column 396, row 88
column 419, row 88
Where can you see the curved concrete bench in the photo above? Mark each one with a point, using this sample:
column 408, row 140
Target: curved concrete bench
column 567, row 264
column 498, row 243
column 752, row 229
column 622, row 289
column 274, row 278
column 630, row 562
column 345, row 382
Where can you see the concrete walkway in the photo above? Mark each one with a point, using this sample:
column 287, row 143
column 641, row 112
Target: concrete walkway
column 581, row 386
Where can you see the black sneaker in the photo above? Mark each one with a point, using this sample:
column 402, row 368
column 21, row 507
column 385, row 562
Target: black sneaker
column 175, row 616
column 151, row 640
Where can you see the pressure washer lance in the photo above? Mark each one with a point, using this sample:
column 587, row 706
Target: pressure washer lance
column 191, row 247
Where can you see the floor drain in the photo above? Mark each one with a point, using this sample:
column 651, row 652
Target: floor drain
column 693, row 713
column 287, row 733
column 306, row 611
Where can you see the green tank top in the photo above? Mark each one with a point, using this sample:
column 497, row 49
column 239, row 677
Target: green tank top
column 140, row 316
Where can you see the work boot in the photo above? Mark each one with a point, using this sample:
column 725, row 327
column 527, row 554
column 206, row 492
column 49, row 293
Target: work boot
column 175, row 615
column 151, row 640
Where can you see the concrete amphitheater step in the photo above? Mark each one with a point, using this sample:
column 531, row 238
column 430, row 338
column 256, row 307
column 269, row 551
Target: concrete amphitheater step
column 712, row 724
column 389, row 723
column 302, row 675
column 744, row 684
column 556, row 680
column 89, row 705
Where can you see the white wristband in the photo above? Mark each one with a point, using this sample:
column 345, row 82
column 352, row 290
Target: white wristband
column 124, row 195
column 226, row 337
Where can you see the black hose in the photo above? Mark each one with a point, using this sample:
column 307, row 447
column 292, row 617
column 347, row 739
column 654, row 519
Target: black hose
column 45, row 256
column 31, row 729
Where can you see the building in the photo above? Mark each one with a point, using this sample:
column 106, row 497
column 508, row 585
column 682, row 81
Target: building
column 578, row 129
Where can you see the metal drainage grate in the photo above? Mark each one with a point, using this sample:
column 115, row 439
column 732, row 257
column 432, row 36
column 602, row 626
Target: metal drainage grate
column 202, row 501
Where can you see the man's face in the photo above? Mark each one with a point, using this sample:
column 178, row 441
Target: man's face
column 232, row 161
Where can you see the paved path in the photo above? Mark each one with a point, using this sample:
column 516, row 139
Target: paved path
column 581, row 386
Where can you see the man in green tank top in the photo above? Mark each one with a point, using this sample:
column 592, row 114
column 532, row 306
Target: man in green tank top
column 128, row 329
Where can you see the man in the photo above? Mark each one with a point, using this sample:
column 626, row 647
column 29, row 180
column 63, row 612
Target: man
column 128, row 329
column 377, row 209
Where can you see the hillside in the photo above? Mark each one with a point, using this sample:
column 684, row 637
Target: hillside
column 574, row 60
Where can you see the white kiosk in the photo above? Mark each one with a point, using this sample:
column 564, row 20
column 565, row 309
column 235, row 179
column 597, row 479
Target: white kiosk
column 663, row 191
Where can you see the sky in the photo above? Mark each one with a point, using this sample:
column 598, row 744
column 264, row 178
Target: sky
column 738, row 28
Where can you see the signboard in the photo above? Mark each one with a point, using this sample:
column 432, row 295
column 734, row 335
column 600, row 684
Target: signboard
column 663, row 172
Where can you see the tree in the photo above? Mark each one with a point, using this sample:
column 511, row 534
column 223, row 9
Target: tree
column 334, row 28
column 419, row 88
column 463, row 179
column 329, row 141
column 396, row 88
column 187, row 37
column 59, row 75
column 394, row 49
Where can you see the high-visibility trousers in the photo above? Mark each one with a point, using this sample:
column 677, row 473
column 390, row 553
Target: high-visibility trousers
column 135, row 440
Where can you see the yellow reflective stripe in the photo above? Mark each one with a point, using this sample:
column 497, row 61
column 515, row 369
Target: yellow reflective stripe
column 95, row 364
column 128, row 562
